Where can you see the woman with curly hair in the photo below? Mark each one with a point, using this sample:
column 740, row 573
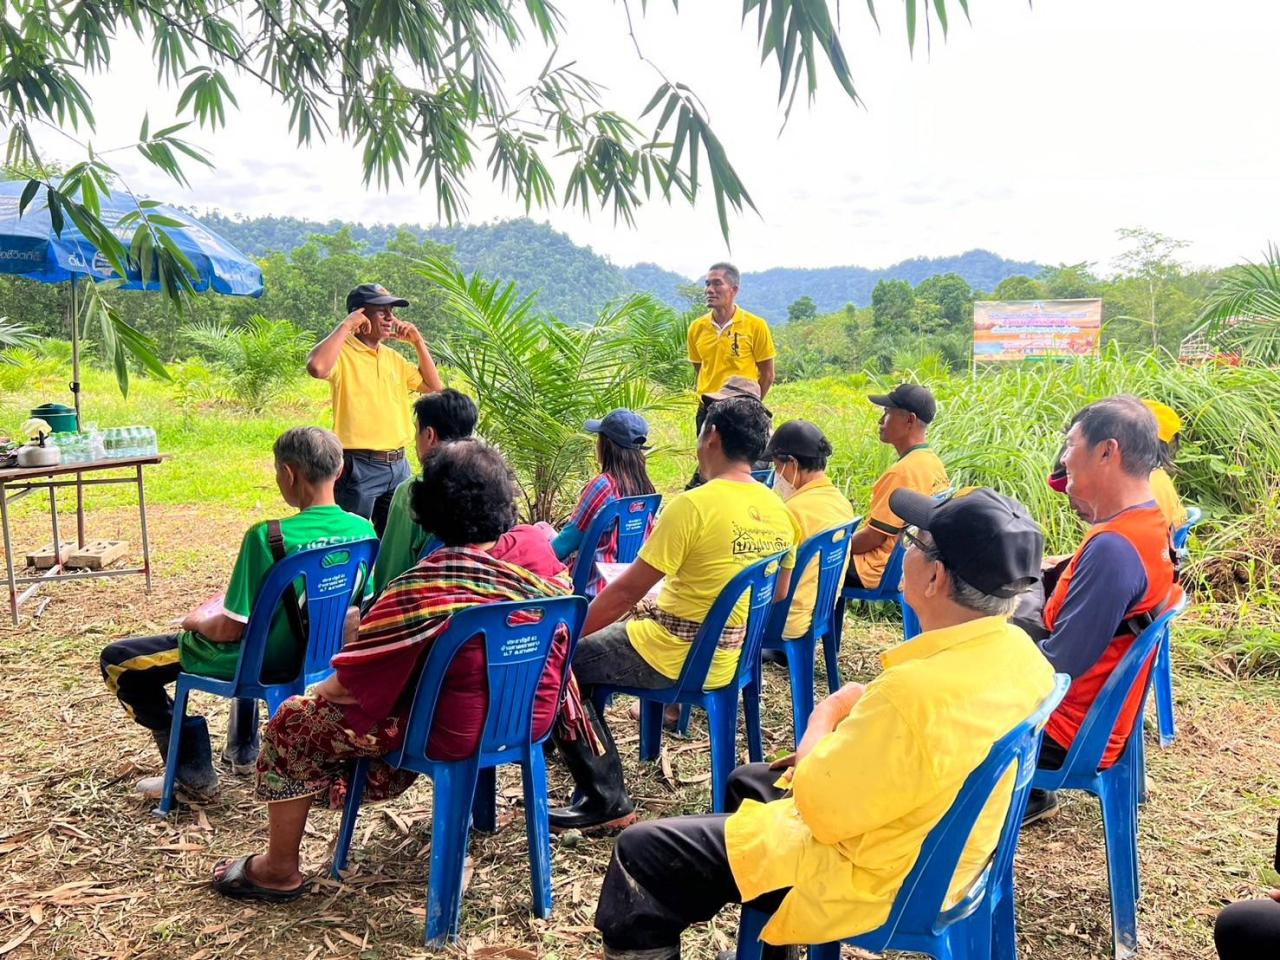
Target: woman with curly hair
column 466, row 498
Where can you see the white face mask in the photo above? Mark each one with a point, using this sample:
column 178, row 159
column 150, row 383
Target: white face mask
column 783, row 487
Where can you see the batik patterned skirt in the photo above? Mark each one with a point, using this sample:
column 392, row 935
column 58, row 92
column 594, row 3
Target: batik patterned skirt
column 308, row 750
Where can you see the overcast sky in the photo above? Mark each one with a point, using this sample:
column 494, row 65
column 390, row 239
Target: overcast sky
column 1034, row 132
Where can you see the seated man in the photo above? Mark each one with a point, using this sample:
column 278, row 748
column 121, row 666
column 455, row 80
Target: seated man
column 466, row 498
column 701, row 540
column 1115, row 581
column 308, row 461
column 447, row 415
column 826, row 847
column 908, row 411
column 799, row 453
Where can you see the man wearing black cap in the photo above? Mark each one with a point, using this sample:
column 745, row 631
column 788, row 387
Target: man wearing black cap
column 370, row 390
column 908, row 410
column 826, row 846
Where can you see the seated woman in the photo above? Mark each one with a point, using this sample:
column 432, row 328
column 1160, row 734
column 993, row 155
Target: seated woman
column 620, row 443
column 466, row 497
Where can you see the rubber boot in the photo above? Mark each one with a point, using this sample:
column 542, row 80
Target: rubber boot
column 600, row 798
column 196, row 780
column 241, row 751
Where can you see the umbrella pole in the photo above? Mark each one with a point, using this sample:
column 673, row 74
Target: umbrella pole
column 75, row 395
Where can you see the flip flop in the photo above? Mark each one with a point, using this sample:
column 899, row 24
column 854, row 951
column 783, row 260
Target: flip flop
column 235, row 884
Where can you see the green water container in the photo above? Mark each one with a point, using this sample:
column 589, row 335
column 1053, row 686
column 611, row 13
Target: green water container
column 60, row 417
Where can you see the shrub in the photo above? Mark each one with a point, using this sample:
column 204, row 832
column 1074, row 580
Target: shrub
column 260, row 359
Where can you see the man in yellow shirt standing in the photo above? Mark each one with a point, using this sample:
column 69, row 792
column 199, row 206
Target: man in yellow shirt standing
column 826, row 846
column 701, row 540
column 370, row 386
column 727, row 342
column 908, row 410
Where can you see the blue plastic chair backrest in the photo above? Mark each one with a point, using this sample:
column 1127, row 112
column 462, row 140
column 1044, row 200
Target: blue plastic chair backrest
column 759, row 579
column 917, row 909
column 891, row 580
column 829, row 549
column 518, row 637
column 631, row 516
column 763, row 476
column 1183, row 533
column 331, row 575
column 1090, row 743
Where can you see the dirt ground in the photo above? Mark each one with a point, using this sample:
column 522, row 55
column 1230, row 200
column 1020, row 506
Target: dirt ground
column 87, row 871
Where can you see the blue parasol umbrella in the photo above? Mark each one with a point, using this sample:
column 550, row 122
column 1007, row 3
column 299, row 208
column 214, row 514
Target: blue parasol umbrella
column 31, row 248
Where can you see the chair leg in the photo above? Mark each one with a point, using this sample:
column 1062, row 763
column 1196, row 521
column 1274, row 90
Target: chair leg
column 971, row 939
column 750, row 924
column 180, row 695
column 537, row 829
column 1164, row 693
column 1119, row 827
column 800, row 672
column 650, row 729
column 1139, row 762
column 686, row 714
column 1004, row 939
column 751, row 720
column 825, row 951
column 722, row 723
column 831, row 648
column 455, row 786
column 350, row 811
column 484, row 805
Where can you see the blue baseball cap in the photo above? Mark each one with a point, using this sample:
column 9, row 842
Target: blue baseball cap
column 624, row 427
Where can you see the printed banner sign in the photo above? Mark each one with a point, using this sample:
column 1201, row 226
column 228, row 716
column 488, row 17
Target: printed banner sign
column 1035, row 329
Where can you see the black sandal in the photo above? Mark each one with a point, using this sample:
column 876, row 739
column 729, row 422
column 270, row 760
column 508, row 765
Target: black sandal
column 235, row 884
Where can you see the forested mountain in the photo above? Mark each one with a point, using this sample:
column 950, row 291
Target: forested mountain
column 574, row 282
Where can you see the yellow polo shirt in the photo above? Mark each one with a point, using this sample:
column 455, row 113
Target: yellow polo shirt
column 700, row 541
column 864, row 800
column 370, row 393
column 815, row 507
column 1166, row 497
column 736, row 351
column 919, row 469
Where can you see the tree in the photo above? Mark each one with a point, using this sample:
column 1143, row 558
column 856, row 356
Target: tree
column 1243, row 312
column 1150, row 261
column 952, row 295
column 802, row 309
column 1069, row 281
column 414, row 86
column 891, row 305
column 1018, row 288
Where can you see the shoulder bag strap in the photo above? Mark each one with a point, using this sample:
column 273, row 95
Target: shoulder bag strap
column 275, row 540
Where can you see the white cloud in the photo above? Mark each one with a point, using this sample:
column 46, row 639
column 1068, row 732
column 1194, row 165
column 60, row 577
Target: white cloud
column 1034, row 132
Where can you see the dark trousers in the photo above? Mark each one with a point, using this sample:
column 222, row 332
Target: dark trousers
column 366, row 485
column 137, row 671
column 851, row 579
column 1248, row 931
column 1052, row 754
column 666, row 875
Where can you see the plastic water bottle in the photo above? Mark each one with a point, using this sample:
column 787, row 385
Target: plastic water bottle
column 153, row 442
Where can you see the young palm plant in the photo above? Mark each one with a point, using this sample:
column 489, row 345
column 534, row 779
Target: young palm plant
column 536, row 379
column 1243, row 313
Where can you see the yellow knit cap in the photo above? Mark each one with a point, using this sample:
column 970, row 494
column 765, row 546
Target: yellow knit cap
column 1168, row 423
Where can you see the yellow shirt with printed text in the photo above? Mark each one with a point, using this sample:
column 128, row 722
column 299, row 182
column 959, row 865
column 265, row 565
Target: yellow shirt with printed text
column 918, row 469
column 370, row 392
column 815, row 507
column 1166, row 497
column 700, row 541
column 736, row 350
column 862, row 803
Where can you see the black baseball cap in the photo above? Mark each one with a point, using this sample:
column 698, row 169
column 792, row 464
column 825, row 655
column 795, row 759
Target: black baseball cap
column 910, row 397
column 797, row 438
column 373, row 295
column 626, row 428
column 988, row 540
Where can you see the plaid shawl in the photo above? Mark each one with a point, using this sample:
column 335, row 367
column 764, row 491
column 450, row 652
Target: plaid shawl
column 381, row 665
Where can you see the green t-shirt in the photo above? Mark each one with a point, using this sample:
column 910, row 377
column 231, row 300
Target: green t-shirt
column 402, row 540
column 314, row 527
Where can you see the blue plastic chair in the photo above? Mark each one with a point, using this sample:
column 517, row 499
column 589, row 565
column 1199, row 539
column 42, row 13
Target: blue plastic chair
column 1165, row 724
column 631, row 517
column 1117, row 786
column 516, row 652
column 981, row 925
column 763, row 476
column 829, row 550
column 332, row 576
column 721, row 704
